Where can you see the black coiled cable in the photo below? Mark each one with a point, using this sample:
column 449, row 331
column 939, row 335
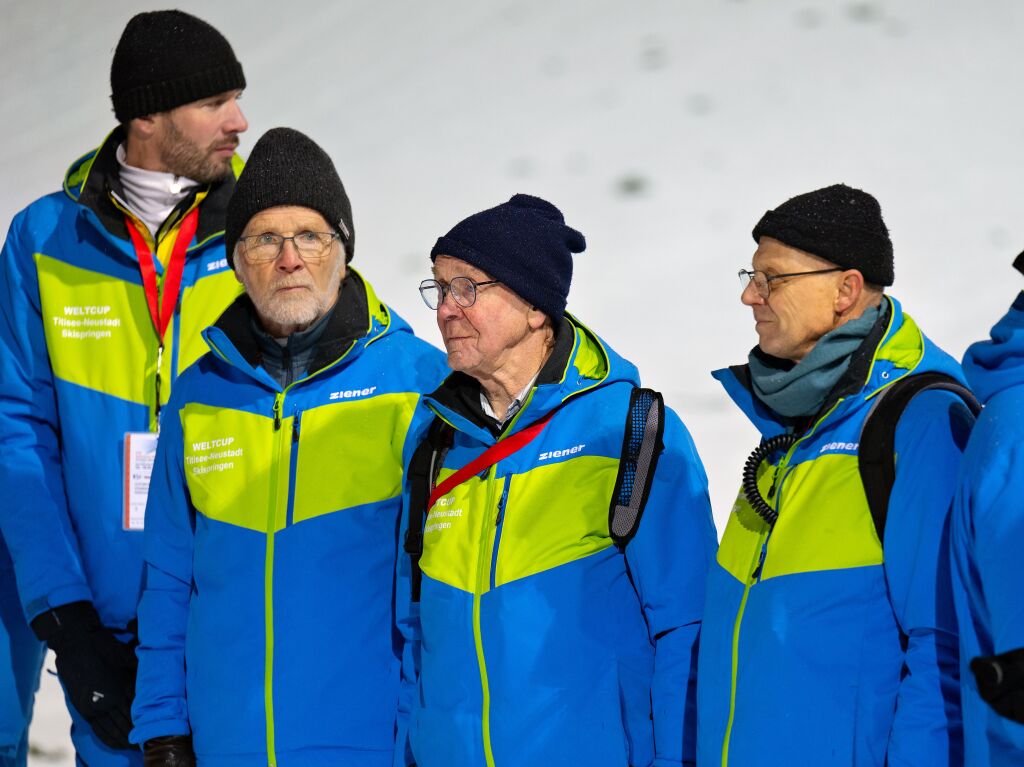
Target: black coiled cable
column 781, row 442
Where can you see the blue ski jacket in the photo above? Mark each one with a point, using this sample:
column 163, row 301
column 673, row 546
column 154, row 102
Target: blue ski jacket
column 79, row 368
column 267, row 627
column 537, row 641
column 820, row 645
column 987, row 531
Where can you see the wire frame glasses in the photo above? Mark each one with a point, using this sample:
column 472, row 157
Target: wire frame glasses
column 462, row 290
column 763, row 282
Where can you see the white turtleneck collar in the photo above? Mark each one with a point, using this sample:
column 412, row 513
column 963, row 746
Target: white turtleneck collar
column 152, row 194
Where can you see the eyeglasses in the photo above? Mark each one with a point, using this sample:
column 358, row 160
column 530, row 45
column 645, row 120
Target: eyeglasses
column 462, row 290
column 763, row 282
column 311, row 246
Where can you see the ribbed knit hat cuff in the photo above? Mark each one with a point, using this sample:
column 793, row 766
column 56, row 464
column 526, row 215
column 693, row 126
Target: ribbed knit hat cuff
column 850, row 247
column 533, row 291
column 160, row 97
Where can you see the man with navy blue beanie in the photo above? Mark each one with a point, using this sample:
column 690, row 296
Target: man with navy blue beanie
column 516, row 568
column 525, row 243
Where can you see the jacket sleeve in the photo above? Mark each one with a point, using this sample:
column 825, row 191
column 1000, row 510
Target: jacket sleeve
column 990, row 519
column 407, row 618
column 433, row 370
column 930, row 440
column 160, row 706
column 34, row 519
column 669, row 559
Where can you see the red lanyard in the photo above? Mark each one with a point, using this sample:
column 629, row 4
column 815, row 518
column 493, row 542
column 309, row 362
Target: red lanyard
column 161, row 311
column 489, row 457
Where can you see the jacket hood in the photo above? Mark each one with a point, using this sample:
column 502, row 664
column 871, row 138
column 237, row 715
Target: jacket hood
column 998, row 363
column 893, row 349
column 359, row 318
column 580, row 362
column 94, row 176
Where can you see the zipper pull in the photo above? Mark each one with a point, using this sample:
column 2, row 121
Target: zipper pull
column 159, row 367
column 775, row 482
column 756, row 575
column 295, row 428
column 501, row 503
column 277, row 413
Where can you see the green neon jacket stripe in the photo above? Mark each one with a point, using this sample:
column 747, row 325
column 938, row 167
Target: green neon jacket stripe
column 78, row 358
column 266, row 625
column 536, row 640
column 819, row 645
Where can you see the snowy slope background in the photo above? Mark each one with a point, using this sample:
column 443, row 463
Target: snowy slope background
column 662, row 129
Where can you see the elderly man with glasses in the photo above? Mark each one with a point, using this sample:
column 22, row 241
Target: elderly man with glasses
column 546, row 626
column 830, row 635
column 267, row 624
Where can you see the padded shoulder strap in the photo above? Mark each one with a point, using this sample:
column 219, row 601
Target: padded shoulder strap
column 423, row 469
column 876, row 454
column 641, row 447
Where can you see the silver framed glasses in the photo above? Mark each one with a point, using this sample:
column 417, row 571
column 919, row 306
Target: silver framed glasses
column 462, row 289
column 312, row 247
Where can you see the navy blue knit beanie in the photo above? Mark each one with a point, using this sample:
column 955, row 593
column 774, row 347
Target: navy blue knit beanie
column 838, row 223
column 525, row 244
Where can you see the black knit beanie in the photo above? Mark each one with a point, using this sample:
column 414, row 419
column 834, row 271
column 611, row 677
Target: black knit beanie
column 287, row 167
column 525, row 244
column 168, row 58
column 839, row 224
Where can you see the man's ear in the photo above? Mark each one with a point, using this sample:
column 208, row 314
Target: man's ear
column 536, row 318
column 143, row 127
column 850, row 291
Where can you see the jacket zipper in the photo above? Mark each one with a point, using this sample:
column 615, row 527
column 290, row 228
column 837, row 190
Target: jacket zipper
column 487, row 543
column 280, row 448
column 498, row 524
column 774, row 493
column 282, row 482
column 781, row 472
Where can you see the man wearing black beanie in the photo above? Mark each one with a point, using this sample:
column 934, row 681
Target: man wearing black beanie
column 557, row 525
column 830, row 635
column 266, row 626
column 106, row 286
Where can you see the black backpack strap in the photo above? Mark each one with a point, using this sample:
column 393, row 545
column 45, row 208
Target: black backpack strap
column 641, row 447
column 423, row 470
column 876, row 454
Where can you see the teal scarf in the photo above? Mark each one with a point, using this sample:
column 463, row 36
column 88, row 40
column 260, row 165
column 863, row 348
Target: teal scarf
column 800, row 390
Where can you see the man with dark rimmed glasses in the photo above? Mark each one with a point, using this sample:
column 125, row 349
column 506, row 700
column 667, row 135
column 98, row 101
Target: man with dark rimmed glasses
column 829, row 635
column 273, row 511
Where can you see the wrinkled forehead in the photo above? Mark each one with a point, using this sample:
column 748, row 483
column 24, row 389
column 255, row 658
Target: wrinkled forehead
column 447, row 268
column 287, row 218
column 775, row 257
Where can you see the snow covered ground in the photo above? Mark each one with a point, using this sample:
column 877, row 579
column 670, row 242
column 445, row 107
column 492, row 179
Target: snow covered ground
column 663, row 129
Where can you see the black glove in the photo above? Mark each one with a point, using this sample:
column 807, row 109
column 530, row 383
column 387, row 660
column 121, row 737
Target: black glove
column 169, row 751
column 97, row 670
column 1001, row 682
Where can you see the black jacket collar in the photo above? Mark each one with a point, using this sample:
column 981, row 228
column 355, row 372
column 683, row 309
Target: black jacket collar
column 105, row 179
column 461, row 393
column 347, row 324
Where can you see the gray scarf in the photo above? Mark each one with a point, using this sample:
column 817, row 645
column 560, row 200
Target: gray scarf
column 800, row 390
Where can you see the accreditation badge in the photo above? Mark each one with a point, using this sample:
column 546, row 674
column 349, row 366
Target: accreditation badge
column 139, row 454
